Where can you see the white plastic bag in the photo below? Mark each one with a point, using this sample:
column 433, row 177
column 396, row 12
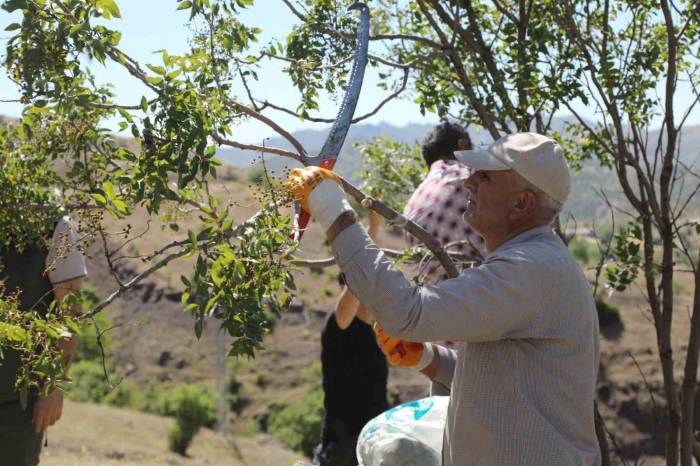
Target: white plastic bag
column 407, row 435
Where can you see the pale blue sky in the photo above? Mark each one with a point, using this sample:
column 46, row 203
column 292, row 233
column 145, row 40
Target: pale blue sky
column 150, row 25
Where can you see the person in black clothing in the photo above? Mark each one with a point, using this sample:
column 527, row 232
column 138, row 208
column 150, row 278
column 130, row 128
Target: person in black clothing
column 355, row 374
column 41, row 273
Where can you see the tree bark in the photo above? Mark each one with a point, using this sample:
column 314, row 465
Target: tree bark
column 690, row 375
column 600, row 432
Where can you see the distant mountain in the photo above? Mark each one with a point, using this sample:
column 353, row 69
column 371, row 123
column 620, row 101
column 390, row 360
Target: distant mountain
column 349, row 161
column 585, row 202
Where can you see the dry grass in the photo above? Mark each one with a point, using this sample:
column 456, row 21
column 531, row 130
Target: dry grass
column 92, row 435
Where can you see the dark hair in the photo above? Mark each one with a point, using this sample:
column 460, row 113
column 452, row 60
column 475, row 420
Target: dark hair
column 442, row 141
column 341, row 279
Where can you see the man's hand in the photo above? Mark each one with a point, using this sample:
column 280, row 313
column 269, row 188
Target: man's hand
column 403, row 353
column 318, row 192
column 47, row 410
column 302, row 181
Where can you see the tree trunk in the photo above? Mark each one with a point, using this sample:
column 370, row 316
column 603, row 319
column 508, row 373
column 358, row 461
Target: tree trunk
column 690, row 377
column 602, row 436
column 663, row 340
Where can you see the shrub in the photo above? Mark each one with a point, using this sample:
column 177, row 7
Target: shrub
column 607, row 313
column 256, row 175
column 298, row 426
column 313, row 373
column 236, row 399
column 88, row 348
column 261, row 380
column 584, row 250
column 127, row 394
column 89, row 382
column 193, row 406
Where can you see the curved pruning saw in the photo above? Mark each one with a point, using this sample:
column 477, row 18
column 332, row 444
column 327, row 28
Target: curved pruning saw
column 335, row 139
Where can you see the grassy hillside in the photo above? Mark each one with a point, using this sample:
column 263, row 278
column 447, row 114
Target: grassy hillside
column 92, row 435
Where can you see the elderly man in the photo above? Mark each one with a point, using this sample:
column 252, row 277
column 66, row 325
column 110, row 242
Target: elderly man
column 523, row 377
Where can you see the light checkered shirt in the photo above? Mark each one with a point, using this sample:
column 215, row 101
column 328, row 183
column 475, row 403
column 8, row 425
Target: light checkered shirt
column 438, row 205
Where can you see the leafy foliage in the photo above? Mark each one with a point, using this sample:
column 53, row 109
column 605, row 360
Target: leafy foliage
column 298, row 425
column 94, row 340
column 25, row 180
column 60, row 157
column 236, row 282
column 501, row 65
column 392, row 170
column 193, row 406
column 37, row 340
column 89, row 383
column 584, row 250
column 626, row 249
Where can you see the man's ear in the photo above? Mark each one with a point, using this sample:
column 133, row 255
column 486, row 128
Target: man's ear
column 525, row 205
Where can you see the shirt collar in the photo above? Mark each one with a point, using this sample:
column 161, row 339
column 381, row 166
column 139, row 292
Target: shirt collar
column 523, row 237
column 438, row 164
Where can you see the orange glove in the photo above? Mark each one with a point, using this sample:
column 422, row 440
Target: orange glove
column 301, row 181
column 400, row 353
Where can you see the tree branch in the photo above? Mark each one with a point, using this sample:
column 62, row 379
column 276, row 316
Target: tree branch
column 369, row 114
column 252, row 147
column 277, row 128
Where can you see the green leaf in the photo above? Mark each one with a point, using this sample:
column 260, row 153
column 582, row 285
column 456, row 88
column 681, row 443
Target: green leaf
column 174, row 74
column 184, row 5
column 77, row 28
column 109, row 7
column 121, row 206
column 156, row 69
column 13, row 27
column 12, row 5
column 216, row 273
column 109, row 190
column 99, row 198
column 116, row 38
column 12, row 333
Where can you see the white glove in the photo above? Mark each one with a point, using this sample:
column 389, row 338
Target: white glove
column 326, row 203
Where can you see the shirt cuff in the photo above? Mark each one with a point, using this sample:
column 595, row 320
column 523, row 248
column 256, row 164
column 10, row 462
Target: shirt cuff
column 64, row 280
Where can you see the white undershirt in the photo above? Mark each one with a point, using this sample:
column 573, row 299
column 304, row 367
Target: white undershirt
column 71, row 262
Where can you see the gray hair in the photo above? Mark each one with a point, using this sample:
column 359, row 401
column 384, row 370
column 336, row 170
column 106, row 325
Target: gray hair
column 547, row 209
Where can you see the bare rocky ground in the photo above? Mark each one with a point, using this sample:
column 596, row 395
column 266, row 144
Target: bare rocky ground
column 154, row 339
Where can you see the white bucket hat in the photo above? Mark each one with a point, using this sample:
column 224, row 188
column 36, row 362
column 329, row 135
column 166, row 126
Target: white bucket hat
column 533, row 156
